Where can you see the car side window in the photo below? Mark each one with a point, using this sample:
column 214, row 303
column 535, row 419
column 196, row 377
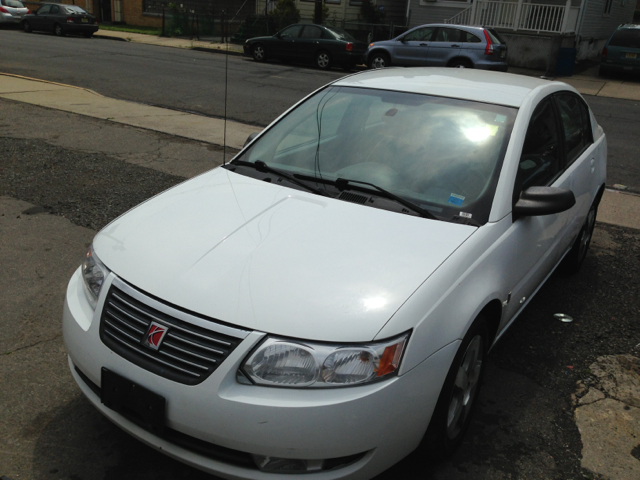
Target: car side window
column 577, row 131
column 419, row 35
column 469, row 37
column 44, row 9
column 291, row 32
column 540, row 159
column 311, row 32
column 55, row 9
column 449, row 35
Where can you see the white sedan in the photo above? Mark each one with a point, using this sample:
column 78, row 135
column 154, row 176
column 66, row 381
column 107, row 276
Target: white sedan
column 324, row 303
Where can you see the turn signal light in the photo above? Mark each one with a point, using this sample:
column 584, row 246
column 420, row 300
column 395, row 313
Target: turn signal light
column 349, row 46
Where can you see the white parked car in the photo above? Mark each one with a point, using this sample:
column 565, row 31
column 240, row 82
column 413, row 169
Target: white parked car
column 324, row 302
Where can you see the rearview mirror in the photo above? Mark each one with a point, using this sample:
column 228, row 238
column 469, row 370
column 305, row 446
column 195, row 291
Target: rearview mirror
column 250, row 139
column 536, row 201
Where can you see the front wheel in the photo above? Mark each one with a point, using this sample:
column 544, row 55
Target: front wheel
column 459, row 394
column 461, row 63
column 57, row 29
column 323, row 60
column 26, row 26
column 575, row 258
column 379, row 60
column 259, row 54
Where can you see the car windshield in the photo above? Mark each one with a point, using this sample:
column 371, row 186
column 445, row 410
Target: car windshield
column 441, row 154
column 627, row 37
column 74, row 9
column 12, row 3
column 341, row 34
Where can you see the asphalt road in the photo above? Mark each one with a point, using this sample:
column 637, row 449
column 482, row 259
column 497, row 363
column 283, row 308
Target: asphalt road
column 64, row 176
column 194, row 81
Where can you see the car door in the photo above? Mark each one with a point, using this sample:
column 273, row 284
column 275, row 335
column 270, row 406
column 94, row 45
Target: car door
column 535, row 244
column 579, row 154
column 51, row 18
column 287, row 44
column 309, row 42
column 38, row 21
column 445, row 46
column 412, row 49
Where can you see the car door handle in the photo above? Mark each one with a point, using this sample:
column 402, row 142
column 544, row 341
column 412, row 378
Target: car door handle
column 455, row 46
column 593, row 165
column 424, row 44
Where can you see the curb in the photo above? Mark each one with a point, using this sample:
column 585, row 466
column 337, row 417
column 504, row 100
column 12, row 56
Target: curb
column 93, row 92
column 107, row 37
column 218, row 50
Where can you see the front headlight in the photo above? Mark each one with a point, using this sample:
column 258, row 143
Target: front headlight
column 93, row 274
column 280, row 362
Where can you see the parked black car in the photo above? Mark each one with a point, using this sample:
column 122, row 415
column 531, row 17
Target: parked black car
column 60, row 19
column 324, row 46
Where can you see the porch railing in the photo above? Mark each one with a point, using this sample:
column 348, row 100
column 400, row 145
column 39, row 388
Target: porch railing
column 530, row 17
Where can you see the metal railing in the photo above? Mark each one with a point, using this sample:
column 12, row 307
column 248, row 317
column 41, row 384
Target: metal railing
column 519, row 16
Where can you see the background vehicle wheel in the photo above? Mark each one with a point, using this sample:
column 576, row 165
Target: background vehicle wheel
column 26, row 26
column 323, row 60
column 575, row 258
column 87, row 35
column 459, row 394
column 461, row 63
column 57, row 29
column 379, row 60
column 259, row 53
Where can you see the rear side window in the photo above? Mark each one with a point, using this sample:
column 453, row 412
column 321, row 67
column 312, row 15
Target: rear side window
column 44, row 9
column 293, row 31
column 449, row 35
column 311, row 32
column 55, row 9
column 629, row 38
column 469, row 37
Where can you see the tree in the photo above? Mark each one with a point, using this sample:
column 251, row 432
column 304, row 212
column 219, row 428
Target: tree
column 285, row 13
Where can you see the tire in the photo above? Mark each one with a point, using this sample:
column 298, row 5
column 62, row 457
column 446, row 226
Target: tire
column 323, row 60
column 379, row 60
column 87, row 35
column 459, row 394
column 26, row 26
column 258, row 53
column 57, row 30
column 461, row 63
column 575, row 258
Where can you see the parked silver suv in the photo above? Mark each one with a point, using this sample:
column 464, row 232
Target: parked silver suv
column 441, row 45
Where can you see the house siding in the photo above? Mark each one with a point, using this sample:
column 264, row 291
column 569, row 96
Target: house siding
column 596, row 25
column 421, row 14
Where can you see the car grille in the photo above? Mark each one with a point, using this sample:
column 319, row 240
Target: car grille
column 188, row 353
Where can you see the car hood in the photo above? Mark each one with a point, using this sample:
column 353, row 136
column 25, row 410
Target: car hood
column 275, row 259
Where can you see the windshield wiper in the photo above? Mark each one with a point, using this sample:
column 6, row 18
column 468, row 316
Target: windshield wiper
column 260, row 166
column 343, row 184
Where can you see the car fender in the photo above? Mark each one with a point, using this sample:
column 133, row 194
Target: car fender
column 443, row 308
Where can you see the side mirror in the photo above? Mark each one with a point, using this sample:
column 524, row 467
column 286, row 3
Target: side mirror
column 250, row 139
column 536, row 201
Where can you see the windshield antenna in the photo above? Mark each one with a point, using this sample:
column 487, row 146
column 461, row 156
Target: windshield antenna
column 226, row 76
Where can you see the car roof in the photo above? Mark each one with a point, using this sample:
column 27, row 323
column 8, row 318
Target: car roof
column 464, row 83
column 629, row 25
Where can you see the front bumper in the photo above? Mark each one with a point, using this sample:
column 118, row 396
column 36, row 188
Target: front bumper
column 381, row 423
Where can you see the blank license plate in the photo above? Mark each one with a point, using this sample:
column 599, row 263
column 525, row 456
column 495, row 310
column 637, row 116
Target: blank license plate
column 136, row 403
column 85, row 20
column 632, row 55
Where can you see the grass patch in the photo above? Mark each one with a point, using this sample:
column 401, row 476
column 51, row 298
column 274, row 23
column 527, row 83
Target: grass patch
column 132, row 29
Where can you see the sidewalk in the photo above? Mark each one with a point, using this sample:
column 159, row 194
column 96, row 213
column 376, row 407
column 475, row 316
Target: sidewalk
column 617, row 208
column 584, row 83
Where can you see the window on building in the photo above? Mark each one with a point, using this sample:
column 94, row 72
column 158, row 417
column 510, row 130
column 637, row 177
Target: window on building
column 607, row 7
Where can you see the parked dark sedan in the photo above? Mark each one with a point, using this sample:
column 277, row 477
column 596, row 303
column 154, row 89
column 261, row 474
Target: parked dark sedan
column 324, row 46
column 60, row 19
